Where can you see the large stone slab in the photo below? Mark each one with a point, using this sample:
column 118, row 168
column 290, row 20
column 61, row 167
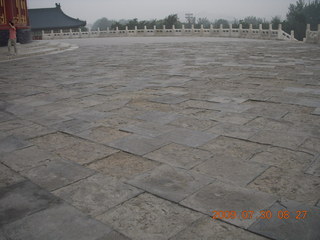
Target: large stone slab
column 193, row 123
column 73, row 126
column 297, row 225
column 208, row 228
column 188, row 137
column 12, row 143
column 103, row 134
column 157, row 116
column 311, row 145
column 26, row 158
column 170, row 183
column 232, row 170
column 148, row 217
column 233, row 130
column 305, row 188
column 314, row 168
column 54, row 174
column 123, row 165
column 96, row 194
column 139, row 145
column 22, row 199
column 179, row 155
column 57, row 222
column 148, row 129
column 30, row 131
column 8, row 177
column 220, row 196
column 232, row 147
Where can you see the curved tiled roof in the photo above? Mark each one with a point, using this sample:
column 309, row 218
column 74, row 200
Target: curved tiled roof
column 52, row 18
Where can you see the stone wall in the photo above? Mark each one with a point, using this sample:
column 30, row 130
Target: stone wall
column 312, row 36
column 260, row 33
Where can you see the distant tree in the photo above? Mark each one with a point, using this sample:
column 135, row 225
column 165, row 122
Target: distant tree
column 275, row 21
column 171, row 20
column 224, row 22
column 102, row 23
column 255, row 21
column 203, row 21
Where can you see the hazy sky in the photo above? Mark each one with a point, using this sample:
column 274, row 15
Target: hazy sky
column 92, row 10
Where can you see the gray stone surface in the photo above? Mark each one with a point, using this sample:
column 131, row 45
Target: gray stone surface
column 96, row 194
column 149, row 129
column 179, row 155
column 207, row 228
column 12, row 143
column 157, row 116
column 57, row 222
column 123, row 165
column 171, row 183
column 54, row 174
column 8, row 177
column 232, row 170
column 314, row 168
column 220, row 196
column 149, row 217
column 22, row 199
column 233, row 130
column 296, row 226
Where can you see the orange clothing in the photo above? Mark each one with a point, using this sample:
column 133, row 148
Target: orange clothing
column 12, row 33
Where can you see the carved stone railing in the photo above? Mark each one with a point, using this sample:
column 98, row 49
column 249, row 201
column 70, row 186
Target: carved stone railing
column 260, row 33
column 312, row 36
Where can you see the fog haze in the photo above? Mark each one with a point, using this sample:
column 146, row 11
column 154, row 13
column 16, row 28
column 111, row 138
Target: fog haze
column 151, row 9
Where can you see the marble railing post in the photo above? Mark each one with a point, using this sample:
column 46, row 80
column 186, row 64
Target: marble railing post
column 80, row 33
column 292, row 34
column 135, row 30
column 230, row 29
column 221, row 30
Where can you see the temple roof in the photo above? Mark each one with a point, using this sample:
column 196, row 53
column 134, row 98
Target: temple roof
column 52, row 18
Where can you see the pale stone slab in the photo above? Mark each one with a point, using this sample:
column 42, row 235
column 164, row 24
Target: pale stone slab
column 179, row 155
column 58, row 222
column 316, row 111
column 225, row 99
column 157, row 116
column 148, row 129
column 233, row 118
column 276, row 138
column 208, row 228
column 233, row 130
column 103, row 134
column 220, row 196
column 291, row 228
column 234, row 148
column 73, row 126
column 148, row 217
column 270, row 124
column 96, row 194
column 22, row 199
column 139, row 145
column 30, row 131
column 123, row 165
column 91, row 115
column 193, row 123
column 311, row 145
column 55, row 174
column 13, row 124
column 283, row 158
column 292, row 185
column 188, row 137
column 26, row 158
column 171, row 183
column 8, row 177
column 231, row 170
column 168, row 99
column 314, row 168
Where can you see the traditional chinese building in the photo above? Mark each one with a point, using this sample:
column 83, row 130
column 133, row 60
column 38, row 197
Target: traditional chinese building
column 51, row 19
column 15, row 11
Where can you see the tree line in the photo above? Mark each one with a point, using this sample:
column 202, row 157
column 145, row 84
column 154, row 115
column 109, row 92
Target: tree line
column 299, row 15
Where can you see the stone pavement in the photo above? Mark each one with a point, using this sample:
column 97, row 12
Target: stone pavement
column 148, row 138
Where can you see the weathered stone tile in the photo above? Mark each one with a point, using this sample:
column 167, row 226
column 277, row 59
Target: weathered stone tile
column 157, row 116
column 314, row 168
column 179, row 155
column 283, row 158
column 54, row 174
column 57, row 222
column 231, row 170
column 270, row 124
column 114, row 235
column 138, row 144
column 91, row 115
column 123, row 165
column 294, row 227
column 149, row 217
column 316, row 111
column 30, row 131
column 207, row 228
column 220, row 196
column 22, row 199
column 168, row 99
column 233, row 130
column 149, row 129
column 96, row 194
column 188, row 137
column 55, row 141
column 234, row 148
column 152, row 107
column 311, row 145
column 12, row 143
column 292, row 185
column 302, row 118
column 276, row 138
column 233, row 118
column 268, row 110
column 26, row 158
column 85, row 152
column 13, row 124
column 4, row 116
column 103, row 134
column 193, row 123
column 224, row 99
column 8, row 177
column 73, row 126
column 171, row 183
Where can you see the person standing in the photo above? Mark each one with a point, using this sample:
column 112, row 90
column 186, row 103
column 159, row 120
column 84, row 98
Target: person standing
column 12, row 38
